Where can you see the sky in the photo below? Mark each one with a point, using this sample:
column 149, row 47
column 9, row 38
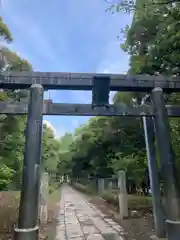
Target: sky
column 67, row 36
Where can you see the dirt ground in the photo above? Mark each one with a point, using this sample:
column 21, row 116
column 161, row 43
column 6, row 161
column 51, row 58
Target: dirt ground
column 137, row 228
column 9, row 202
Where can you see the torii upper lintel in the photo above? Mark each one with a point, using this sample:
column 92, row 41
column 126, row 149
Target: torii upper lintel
column 84, row 81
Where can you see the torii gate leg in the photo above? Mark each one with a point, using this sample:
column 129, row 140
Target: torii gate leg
column 168, row 168
column 159, row 221
column 28, row 228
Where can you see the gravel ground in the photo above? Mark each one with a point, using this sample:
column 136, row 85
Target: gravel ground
column 139, row 228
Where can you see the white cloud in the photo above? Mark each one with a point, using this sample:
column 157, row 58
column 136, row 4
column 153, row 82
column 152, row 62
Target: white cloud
column 111, row 96
column 58, row 132
column 49, row 125
column 3, row 4
column 113, row 66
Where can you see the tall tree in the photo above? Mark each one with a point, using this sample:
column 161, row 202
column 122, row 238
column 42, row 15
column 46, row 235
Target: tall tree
column 11, row 127
column 5, row 34
column 152, row 41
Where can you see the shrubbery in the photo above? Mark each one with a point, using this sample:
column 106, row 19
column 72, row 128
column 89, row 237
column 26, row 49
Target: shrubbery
column 134, row 202
column 53, row 187
column 9, row 205
column 9, row 209
column 143, row 203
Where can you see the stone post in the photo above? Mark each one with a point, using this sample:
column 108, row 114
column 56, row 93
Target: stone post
column 100, row 186
column 110, row 185
column 122, row 195
column 44, row 192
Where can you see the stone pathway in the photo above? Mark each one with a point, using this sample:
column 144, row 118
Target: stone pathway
column 80, row 220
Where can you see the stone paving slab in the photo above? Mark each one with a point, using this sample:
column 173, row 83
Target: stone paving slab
column 80, row 220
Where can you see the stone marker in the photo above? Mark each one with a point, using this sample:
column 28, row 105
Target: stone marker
column 122, row 196
column 100, row 186
column 44, row 192
column 110, row 185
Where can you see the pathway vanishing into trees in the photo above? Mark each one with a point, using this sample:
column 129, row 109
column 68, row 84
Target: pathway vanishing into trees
column 80, row 220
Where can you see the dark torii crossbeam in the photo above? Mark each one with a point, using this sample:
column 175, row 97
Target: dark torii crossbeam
column 84, row 81
column 86, row 109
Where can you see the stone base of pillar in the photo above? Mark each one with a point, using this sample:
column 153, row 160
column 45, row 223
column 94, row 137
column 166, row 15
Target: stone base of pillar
column 26, row 234
column 173, row 229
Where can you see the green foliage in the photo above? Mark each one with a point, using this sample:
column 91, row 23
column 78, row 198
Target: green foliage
column 4, row 32
column 50, row 156
column 105, row 145
column 152, row 41
column 12, row 61
column 142, row 203
column 12, row 131
column 134, row 202
column 65, row 155
column 12, row 127
column 6, row 174
column 54, row 187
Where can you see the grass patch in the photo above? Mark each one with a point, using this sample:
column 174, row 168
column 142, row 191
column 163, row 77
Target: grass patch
column 54, row 187
column 53, row 200
column 142, row 203
column 9, row 207
column 47, row 231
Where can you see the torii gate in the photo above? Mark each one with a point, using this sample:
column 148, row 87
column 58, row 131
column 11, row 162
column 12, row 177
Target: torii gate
column 100, row 84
